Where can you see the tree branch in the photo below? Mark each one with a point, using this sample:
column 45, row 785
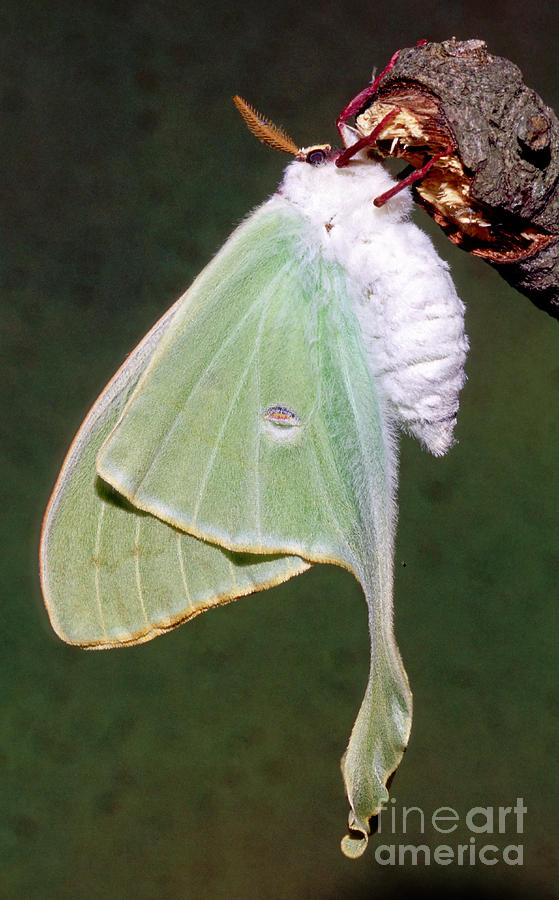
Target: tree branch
column 495, row 188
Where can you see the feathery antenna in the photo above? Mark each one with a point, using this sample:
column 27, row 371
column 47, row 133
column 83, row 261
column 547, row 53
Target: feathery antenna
column 264, row 129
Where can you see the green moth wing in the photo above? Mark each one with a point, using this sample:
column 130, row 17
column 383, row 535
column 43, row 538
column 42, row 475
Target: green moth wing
column 113, row 576
column 256, row 425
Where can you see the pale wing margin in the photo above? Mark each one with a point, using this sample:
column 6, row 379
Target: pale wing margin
column 112, row 576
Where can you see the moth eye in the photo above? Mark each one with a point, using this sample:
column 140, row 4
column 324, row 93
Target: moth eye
column 283, row 417
column 315, row 157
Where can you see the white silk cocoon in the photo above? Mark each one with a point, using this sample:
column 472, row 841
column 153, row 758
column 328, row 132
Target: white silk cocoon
column 410, row 315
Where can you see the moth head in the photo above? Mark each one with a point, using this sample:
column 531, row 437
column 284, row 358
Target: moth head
column 316, row 154
column 274, row 136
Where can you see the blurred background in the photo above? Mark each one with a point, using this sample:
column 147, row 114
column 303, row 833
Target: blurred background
column 206, row 763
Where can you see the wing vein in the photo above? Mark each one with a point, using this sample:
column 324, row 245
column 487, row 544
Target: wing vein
column 325, row 494
column 233, row 575
column 97, row 565
column 257, row 448
column 138, row 574
column 183, row 572
column 374, row 538
column 221, row 432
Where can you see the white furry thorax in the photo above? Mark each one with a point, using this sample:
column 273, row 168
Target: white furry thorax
column 410, row 315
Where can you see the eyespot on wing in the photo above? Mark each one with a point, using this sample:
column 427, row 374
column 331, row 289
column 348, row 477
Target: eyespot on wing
column 281, row 421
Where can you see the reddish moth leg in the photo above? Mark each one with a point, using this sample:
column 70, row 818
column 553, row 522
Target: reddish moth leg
column 353, row 107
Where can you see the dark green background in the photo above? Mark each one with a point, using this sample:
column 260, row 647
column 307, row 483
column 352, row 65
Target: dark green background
column 205, row 764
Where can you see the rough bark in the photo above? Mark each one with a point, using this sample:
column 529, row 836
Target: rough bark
column 495, row 188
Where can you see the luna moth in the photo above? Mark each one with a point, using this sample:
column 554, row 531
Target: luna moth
column 253, row 433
